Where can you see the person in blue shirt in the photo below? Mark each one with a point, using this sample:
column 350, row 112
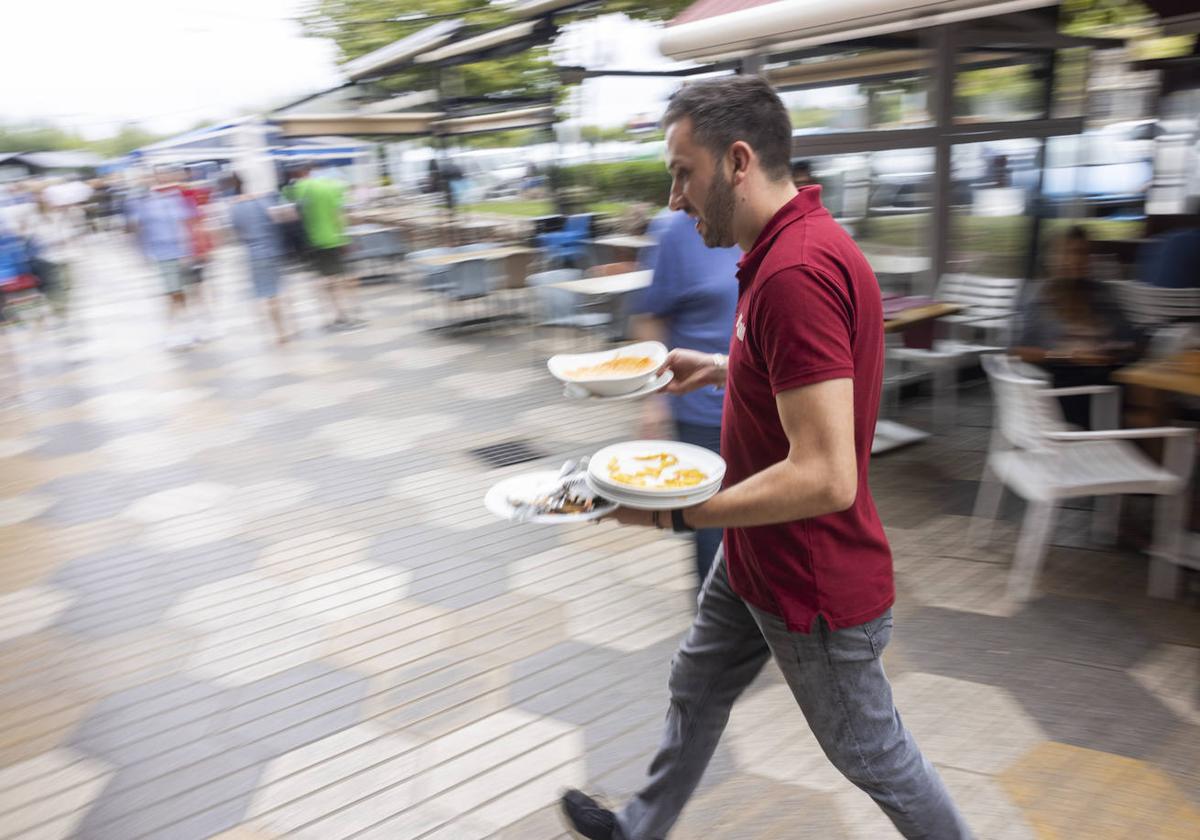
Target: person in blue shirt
column 159, row 219
column 690, row 302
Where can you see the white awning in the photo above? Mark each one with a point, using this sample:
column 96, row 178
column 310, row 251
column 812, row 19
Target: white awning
column 794, row 24
column 498, row 121
column 398, row 53
column 495, row 38
column 312, row 125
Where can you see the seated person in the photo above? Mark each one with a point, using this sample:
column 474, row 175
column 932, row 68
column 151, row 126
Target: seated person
column 1074, row 327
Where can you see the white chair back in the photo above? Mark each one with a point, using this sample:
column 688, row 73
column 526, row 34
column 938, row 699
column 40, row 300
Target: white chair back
column 988, row 297
column 1148, row 306
column 1024, row 414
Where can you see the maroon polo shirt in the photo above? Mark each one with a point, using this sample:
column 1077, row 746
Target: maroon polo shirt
column 808, row 310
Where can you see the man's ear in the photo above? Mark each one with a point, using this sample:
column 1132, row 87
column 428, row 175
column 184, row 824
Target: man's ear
column 742, row 156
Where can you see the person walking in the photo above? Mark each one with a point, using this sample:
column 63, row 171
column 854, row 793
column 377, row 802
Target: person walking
column 160, row 219
column 321, row 204
column 805, row 571
column 251, row 218
column 690, row 302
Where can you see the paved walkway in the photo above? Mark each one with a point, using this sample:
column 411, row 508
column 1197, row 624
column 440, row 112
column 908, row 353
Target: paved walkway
column 249, row 593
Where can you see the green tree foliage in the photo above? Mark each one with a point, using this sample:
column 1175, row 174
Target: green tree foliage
column 359, row 26
column 46, row 137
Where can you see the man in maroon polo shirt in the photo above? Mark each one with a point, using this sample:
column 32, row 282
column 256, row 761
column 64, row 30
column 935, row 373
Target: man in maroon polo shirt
column 805, row 575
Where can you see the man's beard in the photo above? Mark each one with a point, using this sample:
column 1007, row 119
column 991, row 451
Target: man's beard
column 718, row 213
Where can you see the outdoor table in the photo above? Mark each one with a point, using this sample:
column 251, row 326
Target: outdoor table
column 614, row 284
column 889, row 434
column 620, row 246
column 500, row 253
column 613, row 288
column 1177, row 374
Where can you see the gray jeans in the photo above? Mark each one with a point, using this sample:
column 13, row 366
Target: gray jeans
column 837, row 679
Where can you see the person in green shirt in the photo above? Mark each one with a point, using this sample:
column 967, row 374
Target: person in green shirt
column 321, row 203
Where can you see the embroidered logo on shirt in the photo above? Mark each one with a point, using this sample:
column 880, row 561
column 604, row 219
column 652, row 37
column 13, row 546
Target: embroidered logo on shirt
column 741, row 328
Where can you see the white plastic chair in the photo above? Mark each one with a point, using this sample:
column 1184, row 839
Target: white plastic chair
column 1149, row 306
column 1036, row 455
column 984, row 326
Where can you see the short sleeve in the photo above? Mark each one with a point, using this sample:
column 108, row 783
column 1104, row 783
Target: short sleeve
column 803, row 326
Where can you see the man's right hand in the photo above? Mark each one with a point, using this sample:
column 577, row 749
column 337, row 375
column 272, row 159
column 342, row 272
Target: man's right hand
column 692, row 370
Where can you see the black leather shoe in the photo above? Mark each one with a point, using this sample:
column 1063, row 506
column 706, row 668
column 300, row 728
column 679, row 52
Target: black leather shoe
column 587, row 817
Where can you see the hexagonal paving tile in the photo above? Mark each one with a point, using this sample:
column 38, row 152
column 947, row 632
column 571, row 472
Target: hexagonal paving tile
column 320, row 551
column 425, row 357
column 446, row 498
column 248, row 635
column 768, row 735
column 178, row 501
column 1107, row 795
column 342, row 593
column 15, row 445
column 17, row 509
column 1172, row 673
column 970, row 726
column 365, row 438
column 616, row 599
column 335, row 774
column 490, row 385
column 292, row 708
column 46, row 796
column 31, row 609
column 384, row 640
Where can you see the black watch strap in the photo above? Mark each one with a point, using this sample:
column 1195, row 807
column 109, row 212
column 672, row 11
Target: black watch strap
column 677, row 523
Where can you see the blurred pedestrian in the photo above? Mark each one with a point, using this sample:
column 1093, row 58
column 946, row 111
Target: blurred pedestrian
column 320, row 201
column 253, row 219
column 805, row 575
column 690, row 302
column 159, row 218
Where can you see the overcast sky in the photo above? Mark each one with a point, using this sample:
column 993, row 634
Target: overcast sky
column 94, row 64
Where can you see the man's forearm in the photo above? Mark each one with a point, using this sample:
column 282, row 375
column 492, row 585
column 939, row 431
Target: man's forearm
column 784, row 492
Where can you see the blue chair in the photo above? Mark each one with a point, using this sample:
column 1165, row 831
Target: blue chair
column 569, row 245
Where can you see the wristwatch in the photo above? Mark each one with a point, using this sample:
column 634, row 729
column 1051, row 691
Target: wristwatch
column 721, row 362
column 678, row 525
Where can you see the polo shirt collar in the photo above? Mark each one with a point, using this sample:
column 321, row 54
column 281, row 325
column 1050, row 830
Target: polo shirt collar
column 806, row 200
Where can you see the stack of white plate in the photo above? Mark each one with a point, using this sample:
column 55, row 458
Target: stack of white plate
column 655, row 496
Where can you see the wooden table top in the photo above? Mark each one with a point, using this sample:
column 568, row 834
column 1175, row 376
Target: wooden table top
column 484, row 254
column 614, row 284
column 919, row 314
column 1179, row 374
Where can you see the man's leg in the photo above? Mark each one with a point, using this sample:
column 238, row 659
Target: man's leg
column 837, row 678
column 721, row 655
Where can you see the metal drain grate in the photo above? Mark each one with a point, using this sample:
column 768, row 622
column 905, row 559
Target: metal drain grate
column 508, row 453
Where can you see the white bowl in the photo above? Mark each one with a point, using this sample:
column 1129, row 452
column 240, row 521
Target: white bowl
column 615, row 384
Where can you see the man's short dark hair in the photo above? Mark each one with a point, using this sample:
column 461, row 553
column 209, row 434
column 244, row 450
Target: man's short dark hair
column 734, row 108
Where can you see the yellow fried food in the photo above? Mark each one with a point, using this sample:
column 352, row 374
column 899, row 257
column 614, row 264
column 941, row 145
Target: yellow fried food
column 652, row 475
column 616, row 366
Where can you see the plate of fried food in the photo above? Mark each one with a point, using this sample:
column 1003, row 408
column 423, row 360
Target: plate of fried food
column 623, row 373
column 655, row 474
